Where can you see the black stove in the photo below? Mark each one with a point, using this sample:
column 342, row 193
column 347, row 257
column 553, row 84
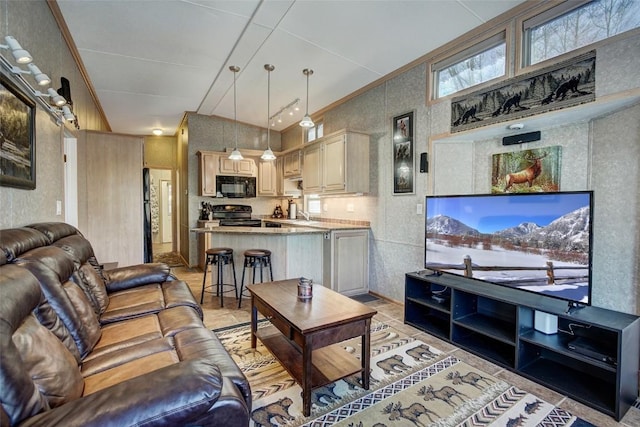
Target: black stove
column 235, row 216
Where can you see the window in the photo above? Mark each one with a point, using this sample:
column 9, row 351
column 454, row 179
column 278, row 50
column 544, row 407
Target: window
column 481, row 62
column 573, row 25
column 317, row 131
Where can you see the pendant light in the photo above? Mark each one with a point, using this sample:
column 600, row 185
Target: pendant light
column 306, row 120
column 268, row 154
column 235, row 154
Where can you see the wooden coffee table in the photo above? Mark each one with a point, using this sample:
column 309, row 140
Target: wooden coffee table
column 304, row 335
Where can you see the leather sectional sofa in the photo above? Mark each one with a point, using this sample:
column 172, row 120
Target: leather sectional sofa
column 81, row 346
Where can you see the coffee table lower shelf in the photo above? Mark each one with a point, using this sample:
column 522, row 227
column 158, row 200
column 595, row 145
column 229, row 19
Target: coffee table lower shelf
column 330, row 363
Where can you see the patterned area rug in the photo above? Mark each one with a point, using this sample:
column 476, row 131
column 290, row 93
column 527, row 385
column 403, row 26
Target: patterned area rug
column 412, row 384
column 172, row 259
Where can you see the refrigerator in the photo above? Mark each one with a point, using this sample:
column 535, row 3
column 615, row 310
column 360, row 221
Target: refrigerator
column 146, row 206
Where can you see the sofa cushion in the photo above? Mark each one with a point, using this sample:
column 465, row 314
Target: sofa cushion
column 54, row 268
column 93, row 285
column 122, row 278
column 85, row 315
column 16, row 241
column 51, row 366
column 54, row 230
column 126, row 371
column 20, row 292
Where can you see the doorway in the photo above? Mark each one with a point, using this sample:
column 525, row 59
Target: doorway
column 162, row 218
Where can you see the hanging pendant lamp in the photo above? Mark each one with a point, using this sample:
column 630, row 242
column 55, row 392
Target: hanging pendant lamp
column 235, row 154
column 306, row 121
column 268, row 154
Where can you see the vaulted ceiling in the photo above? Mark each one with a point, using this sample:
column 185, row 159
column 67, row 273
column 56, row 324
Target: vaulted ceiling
column 150, row 61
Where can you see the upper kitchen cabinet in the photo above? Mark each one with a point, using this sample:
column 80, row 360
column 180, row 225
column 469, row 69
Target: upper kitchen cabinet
column 292, row 165
column 337, row 164
column 208, row 172
column 244, row 167
column 268, row 178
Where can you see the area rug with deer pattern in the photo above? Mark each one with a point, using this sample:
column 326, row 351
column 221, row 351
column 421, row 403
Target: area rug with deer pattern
column 412, row 384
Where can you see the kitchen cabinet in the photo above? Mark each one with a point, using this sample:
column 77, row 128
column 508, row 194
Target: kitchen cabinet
column 208, row 172
column 244, row 167
column 292, row 165
column 337, row 164
column 267, row 178
column 285, row 187
column 312, row 172
column 346, row 261
column 279, row 163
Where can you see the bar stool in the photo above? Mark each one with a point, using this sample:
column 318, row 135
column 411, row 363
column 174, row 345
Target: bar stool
column 219, row 257
column 254, row 259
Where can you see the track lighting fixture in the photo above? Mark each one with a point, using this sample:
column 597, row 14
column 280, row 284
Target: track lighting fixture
column 268, row 154
column 291, row 107
column 56, row 99
column 59, row 104
column 41, row 78
column 21, row 56
column 68, row 114
column 235, row 154
column 306, row 121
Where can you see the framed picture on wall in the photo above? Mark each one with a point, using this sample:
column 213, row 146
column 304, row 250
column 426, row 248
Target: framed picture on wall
column 17, row 137
column 527, row 171
column 403, row 154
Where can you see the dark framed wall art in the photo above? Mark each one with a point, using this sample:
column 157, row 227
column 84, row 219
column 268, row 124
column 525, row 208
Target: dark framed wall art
column 17, row 137
column 403, row 154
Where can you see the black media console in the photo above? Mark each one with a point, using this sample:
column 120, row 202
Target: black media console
column 593, row 358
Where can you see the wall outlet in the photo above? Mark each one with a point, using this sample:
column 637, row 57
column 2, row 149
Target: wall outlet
column 419, row 209
column 350, row 207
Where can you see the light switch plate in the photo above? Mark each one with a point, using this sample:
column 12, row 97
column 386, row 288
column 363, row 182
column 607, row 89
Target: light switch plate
column 419, row 209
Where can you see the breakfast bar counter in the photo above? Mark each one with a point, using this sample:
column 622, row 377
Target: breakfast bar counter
column 295, row 251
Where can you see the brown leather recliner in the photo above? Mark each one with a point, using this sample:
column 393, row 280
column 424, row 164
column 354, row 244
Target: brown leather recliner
column 60, row 364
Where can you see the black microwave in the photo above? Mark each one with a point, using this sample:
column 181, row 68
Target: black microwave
column 235, row 186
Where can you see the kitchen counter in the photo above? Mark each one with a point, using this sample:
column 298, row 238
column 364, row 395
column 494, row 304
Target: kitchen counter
column 295, row 251
column 323, row 225
column 298, row 248
column 259, row 230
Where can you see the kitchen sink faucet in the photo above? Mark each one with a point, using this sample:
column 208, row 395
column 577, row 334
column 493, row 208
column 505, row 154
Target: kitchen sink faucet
column 304, row 214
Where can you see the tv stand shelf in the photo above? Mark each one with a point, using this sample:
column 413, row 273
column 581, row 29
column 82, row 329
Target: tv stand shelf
column 497, row 323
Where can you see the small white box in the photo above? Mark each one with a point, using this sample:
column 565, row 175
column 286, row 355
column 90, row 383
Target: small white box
column 546, row 323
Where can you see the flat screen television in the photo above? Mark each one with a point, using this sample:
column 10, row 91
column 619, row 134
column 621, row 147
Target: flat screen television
column 535, row 242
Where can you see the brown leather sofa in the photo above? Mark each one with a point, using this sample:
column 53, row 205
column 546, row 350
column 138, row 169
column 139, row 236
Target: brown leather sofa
column 81, row 346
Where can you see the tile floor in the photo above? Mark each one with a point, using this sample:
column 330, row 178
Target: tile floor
column 392, row 314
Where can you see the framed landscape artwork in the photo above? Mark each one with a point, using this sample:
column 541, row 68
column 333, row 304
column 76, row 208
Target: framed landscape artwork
column 17, row 137
column 403, row 156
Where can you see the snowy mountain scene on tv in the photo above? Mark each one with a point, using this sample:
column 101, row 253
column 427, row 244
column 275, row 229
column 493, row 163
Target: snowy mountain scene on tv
column 538, row 242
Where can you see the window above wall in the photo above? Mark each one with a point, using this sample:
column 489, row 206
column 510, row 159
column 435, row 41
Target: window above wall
column 572, row 25
column 315, row 132
column 477, row 64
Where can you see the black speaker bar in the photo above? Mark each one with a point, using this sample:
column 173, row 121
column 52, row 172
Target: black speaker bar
column 521, row 138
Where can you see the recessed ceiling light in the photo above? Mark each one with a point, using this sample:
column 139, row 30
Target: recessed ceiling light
column 157, row 132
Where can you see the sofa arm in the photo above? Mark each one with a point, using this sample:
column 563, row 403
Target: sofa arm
column 137, row 275
column 173, row 395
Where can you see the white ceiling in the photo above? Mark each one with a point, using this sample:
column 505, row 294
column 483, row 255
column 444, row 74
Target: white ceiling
column 152, row 60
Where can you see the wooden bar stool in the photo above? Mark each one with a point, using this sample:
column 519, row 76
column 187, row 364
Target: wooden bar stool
column 219, row 257
column 254, row 259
